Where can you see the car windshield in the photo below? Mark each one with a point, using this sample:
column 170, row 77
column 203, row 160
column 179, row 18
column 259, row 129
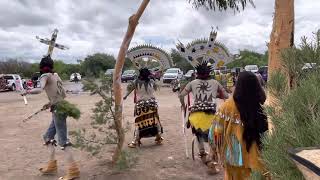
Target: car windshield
column 129, row 72
column 8, row 77
column 172, row 71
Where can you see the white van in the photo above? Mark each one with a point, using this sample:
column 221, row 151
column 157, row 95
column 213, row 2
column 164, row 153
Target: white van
column 252, row 68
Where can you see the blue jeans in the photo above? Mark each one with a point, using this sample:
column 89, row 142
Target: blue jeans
column 58, row 126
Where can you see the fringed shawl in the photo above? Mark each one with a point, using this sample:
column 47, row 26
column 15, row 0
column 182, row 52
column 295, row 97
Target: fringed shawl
column 225, row 137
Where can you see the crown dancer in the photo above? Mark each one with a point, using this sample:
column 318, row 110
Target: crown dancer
column 147, row 120
column 205, row 90
column 52, row 84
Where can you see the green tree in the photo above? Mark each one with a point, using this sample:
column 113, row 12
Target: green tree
column 221, row 5
column 296, row 117
column 73, row 68
column 247, row 57
column 180, row 61
column 14, row 66
column 61, row 68
column 103, row 128
column 94, row 65
column 128, row 64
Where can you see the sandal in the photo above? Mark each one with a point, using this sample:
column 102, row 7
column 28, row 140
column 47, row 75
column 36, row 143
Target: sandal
column 159, row 140
column 203, row 156
column 134, row 144
column 212, row 170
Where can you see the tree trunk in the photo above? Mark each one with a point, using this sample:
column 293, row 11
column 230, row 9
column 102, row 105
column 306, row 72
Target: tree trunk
column 133, row 22
column 282, row 35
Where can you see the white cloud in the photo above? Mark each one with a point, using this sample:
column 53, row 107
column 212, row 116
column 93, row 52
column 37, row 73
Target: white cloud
column 98, row 26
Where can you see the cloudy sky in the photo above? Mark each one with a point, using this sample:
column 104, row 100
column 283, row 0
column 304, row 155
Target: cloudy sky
column 99, row 25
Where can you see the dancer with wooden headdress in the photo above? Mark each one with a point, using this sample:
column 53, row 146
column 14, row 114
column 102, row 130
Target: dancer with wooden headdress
column 147, row 121
column 204, row 91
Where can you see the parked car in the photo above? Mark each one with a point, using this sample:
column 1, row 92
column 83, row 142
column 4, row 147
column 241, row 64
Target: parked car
column 109, row 72
column 172, row 74
column 14, row 82
column 128, row 75
column 189, row 74
column 308, row 66
column 75, row 77
column 236, row 70
column 252, row 68
column 263, row 70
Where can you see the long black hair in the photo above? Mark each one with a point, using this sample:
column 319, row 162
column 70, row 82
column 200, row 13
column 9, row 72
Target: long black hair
column 203, row 71
column 46, row 65
column 144, row 77
column 144, row 74
column 249, row 97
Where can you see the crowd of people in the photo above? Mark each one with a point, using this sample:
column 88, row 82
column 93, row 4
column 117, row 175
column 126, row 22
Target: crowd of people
column 233, row 130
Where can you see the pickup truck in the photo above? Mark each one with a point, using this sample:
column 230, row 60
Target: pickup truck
column 172, row 74
column 14, row 82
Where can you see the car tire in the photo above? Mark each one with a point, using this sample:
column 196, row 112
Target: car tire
column 13, row 87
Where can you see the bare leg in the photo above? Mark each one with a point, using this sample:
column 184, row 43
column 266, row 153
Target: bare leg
column 68, row 154
column 201, row 148
column 136, row 140
column 52, row 152
column 159, row 138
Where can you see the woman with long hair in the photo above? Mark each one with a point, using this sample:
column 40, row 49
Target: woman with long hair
column 238, row 127
column 147, row 122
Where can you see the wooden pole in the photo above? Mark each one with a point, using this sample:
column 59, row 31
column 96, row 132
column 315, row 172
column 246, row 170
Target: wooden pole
column 133, row 22
column 282, row 35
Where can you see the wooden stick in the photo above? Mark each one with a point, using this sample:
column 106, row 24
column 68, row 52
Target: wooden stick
column 133, row 22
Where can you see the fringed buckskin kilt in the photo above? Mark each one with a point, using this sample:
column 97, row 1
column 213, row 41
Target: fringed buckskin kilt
column 147, row 118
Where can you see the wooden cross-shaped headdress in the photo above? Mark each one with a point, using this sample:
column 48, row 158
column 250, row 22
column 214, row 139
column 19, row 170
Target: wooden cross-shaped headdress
column 52, row 43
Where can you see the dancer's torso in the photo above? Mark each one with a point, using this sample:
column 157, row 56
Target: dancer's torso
column 52, row 84
column 144, row 90
column 203, row 90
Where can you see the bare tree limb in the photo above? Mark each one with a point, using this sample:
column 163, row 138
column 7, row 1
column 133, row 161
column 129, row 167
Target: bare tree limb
column 133, row 22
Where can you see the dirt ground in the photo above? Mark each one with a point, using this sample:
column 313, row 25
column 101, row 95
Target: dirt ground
column 22, row 152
